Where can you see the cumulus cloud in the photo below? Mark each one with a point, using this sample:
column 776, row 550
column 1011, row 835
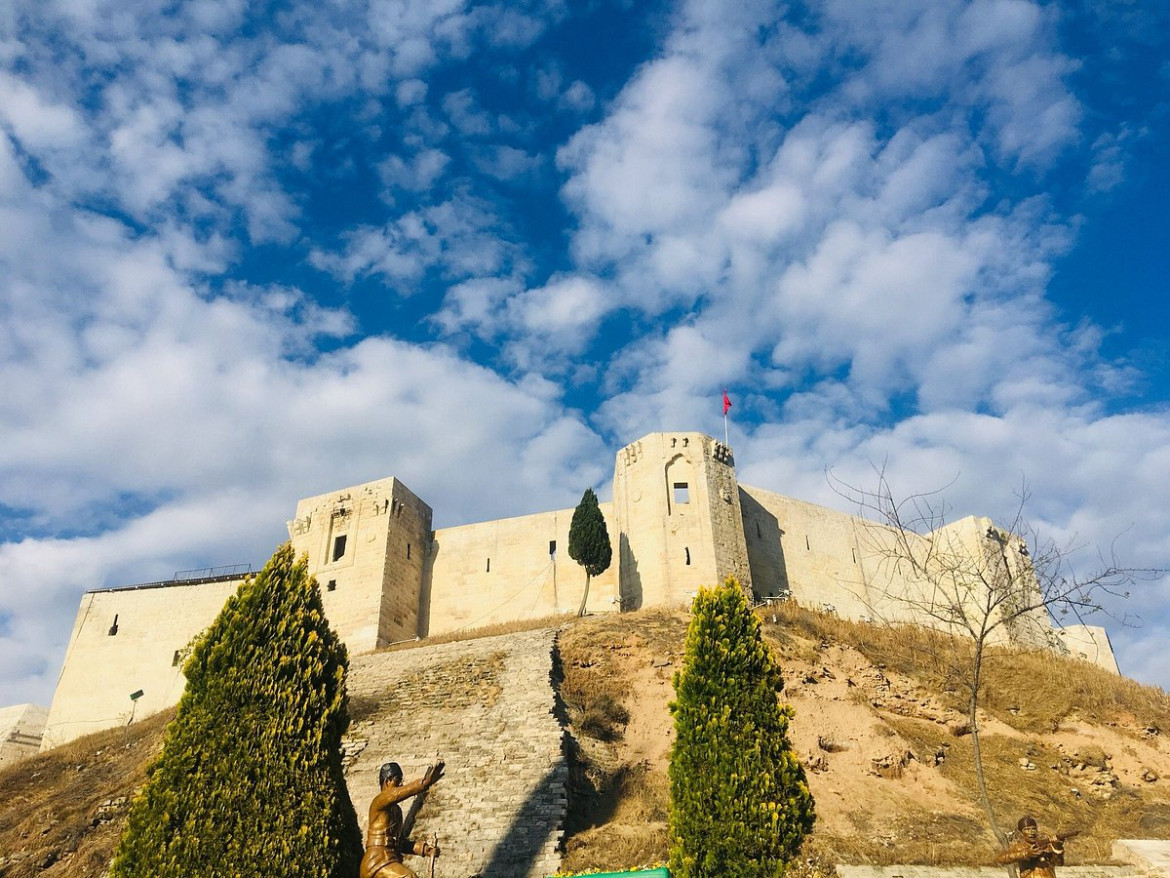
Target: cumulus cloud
column 456, row 239
column 222, row 237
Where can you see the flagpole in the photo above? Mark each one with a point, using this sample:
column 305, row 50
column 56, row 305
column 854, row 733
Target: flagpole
column 726, row 406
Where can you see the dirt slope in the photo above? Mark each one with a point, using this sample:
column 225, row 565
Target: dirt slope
column 885, row 749
column 887, row 753
column 62, row 812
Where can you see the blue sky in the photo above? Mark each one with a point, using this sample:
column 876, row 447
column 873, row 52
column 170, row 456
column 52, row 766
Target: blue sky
column 253, row 252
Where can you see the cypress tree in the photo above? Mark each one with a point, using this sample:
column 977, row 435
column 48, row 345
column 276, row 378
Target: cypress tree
column 589, row 541
column 249, row 781
column 739, row 802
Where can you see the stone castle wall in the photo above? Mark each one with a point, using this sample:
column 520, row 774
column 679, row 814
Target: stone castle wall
column 679, row 526
column 126, row 641
column 367, row 546
column 21, row 729
column 679, row 520
column 810, row 552
column 510, row 570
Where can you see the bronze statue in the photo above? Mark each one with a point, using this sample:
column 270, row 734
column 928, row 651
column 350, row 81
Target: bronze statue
column 1037, row 855
column 384, row 847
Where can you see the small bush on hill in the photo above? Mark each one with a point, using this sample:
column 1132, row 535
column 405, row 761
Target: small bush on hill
column 249, row 782
column 740, row 806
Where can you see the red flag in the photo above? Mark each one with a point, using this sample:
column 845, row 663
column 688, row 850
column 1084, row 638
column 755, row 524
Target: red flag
column 726, row 403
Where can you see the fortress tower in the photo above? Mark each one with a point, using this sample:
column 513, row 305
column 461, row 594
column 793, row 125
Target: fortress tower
column 367, row 546
column 678, row 519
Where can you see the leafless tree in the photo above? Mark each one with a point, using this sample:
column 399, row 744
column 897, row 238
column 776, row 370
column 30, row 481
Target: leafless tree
column 989, row 583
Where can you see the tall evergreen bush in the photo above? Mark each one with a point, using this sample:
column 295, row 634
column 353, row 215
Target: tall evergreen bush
column 589, row 542
column 739, row 803
column 249, row 781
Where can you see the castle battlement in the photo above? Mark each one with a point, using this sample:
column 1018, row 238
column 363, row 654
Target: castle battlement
column 679, row 519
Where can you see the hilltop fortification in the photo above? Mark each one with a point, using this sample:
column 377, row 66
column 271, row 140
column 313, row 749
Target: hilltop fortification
column 679, row 519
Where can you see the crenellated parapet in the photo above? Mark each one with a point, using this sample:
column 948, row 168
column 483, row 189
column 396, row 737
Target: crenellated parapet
column 679, row 519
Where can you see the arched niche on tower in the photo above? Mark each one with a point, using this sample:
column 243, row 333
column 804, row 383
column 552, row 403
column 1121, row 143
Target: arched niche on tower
column 679, row 483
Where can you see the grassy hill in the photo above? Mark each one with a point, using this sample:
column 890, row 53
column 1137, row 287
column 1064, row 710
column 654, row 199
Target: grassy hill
column 879, row 724
column 883, row 734
column 62, row 812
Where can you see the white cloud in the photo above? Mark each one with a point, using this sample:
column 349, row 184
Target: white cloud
column 507, row 163
column 459, row 238
column 647, row 168
column 1109, row 157
column 811, row 213
column 37, row 122
column 539, row 330
column 462, row 108
column 418, row 173
column 200, row 419
column 991, row 56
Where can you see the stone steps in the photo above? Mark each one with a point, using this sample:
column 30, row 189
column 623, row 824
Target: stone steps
column 485, row 707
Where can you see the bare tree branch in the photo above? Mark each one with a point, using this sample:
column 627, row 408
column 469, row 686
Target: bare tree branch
column 989, row 584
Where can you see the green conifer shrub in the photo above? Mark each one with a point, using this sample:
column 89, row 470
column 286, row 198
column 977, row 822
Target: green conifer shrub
column 249, row 781
column 589, row 542
column 739, row 802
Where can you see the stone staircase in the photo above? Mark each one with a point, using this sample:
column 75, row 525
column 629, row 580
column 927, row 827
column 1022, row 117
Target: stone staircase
column 487, row 708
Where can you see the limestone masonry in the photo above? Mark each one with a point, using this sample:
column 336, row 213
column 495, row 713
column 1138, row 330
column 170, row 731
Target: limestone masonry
column 20, row 731
column 679, row 519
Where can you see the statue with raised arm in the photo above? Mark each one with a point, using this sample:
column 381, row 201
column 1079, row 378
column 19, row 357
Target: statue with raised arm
column 384, row 847
column 1036, row 855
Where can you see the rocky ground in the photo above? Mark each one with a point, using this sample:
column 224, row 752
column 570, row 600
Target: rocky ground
column 882, row 736
column 888, row 754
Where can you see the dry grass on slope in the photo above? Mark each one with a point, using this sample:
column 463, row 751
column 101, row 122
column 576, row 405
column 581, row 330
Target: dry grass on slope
column 1076, row 746
column 63, row 811
column 882, row 731
column 615, row 682
column 1026, row 689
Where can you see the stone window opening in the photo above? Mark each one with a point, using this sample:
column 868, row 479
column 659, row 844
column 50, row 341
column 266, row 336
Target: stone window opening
column 408, row 551
column 854, row 553
column 552, row 548
column 681, row 493
column 489, row 566
column 338, row 547
column 175, row 659
column 806, row 543
column 688, row 551
column 759, row 535
column 331, row 585
column 114, row 627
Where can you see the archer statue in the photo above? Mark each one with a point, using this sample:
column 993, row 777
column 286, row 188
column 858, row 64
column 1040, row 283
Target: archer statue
column 1036, row 855
column 385, row 840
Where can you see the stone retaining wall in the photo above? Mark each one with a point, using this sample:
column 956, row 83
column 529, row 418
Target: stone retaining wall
column 485, row 707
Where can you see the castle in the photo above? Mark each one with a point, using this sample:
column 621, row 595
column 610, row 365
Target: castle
column 679, row 519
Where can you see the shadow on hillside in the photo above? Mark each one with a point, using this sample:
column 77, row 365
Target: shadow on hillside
column 527, row 838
